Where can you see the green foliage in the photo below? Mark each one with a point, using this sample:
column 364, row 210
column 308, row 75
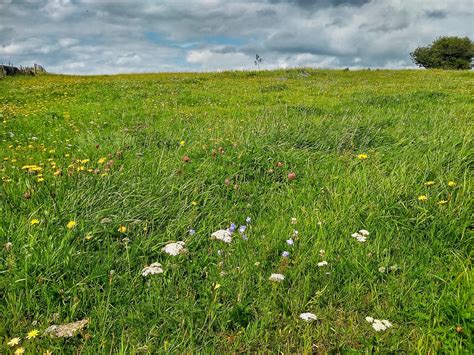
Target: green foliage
column 119, row 142
column 445, row 53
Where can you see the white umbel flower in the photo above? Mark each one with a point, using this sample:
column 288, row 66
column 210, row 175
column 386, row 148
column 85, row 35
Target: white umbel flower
column 308, row 317
column 379, row 325
column 364, row 232
column 153, row 269
column 174, row 248
column 222, row 234
column 277, row 277
column 322, row 263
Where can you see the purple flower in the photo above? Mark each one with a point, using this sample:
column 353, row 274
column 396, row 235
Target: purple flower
column 232, row 228
column 248, row 220
column 242, row 229
column 290, row 241
column 192, row 232
column 285, row 254
column 244, row 237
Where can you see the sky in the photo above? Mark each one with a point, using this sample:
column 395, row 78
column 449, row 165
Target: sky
column 107, row 37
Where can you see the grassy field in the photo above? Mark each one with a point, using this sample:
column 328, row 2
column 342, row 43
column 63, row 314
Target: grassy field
column 100, row 173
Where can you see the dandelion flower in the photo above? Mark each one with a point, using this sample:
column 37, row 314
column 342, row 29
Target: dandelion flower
column 182, row 143
column 442, row 202
column 122, row 229
column 429, row 183
column 20, row 351
column 222, row 234
column 102, row 160
column 451, row 183
column 34, row 221
column 362, row 156
column 308, row 317
column 32, row 334
column 422, row 198
column 71, row 224
column 277, row 277
column 14, row 342
column 174, row 248
column 153, row 269
column 322, row 263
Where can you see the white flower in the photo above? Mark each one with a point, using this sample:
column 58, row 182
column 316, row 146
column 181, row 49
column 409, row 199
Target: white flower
column 386, row 323
column 295, row 233
column 382, row 269
column 369, row 319
column 355, row 235
column 361, row 239
column 293, row 220
column 153, row 269
column 223, row 235
column 322, row 263
column 277, row 277
column 378, row 325
column 290, row 241
column 308, row 317
column 174, row 248
column 364, row 232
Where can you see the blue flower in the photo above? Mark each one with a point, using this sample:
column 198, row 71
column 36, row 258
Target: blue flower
column 232, row 228
column 285, row 254
column 192, row 232
column 290, row 241
column 242, row 229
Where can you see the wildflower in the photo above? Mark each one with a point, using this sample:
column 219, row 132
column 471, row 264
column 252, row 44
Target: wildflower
column 393, row 268
column 308, row 317
column 88, row 236
column 194, row 203
column 379, row 325
column 102, row 160
column 242, row 229
column 364, row 232
column 285, row 254
column 442, row 202
column 71, row 224
column 40, row 179
column 153, row 269
column 277, row 277
column 369, row 319
column 222, row 234
column 19, row 351
column 192, row 232
column 182, row 143
column 295, row 233
column 34, row 221
column 174, row 248
column 216, row 286
column 293, row 220
column 122, row 229
column 232, row 228
column 361, row 236
column 451, row 183
column 290, row 241
column 32, row 334
column 422, row 198
column 362, row 156
column 14, row 341
column 248, row 220
column 382, row 269
column 257, row 263
column 291, row 176
column 322, row 263
column 429, row 183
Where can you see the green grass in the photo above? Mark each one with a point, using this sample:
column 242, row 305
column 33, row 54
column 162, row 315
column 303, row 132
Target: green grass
column 414, row 126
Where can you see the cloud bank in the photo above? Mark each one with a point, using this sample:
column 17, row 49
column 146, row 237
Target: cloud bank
column 92, row 37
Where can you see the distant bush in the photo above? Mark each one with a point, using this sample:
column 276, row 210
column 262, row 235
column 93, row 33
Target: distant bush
column 445, row 53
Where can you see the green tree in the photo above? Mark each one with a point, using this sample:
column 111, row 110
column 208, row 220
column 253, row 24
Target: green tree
column 445, row 53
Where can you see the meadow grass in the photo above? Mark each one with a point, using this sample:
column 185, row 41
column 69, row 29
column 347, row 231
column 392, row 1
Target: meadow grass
column 107, row 151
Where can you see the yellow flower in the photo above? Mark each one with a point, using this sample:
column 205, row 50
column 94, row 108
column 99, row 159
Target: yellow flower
column 194, row 203
column 34, row 221
column 182, row 143
column 57, row 172
column 14, row 341
column 216, row 286
column 362, row 156
column 122, row 229
column 422, row 198
column 71, row 224
column 88, row 236
column 85, row 161
column 40, row 179
column 19, row 351
column 102, row 160
column 32, row 334
column 429, row 183
column 442, row 202
column 451, row 183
